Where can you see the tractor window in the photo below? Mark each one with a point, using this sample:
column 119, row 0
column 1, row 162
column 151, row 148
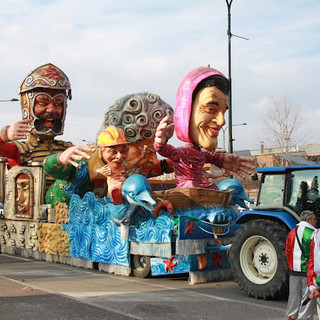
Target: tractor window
column 304, row 191
column 271, row 192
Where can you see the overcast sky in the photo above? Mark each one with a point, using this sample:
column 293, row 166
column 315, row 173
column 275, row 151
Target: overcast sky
column 112, row 48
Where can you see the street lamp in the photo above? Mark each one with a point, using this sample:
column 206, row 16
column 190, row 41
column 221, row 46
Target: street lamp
column 224, row 132
column 229, row 68
column 12, row 100
column 230, row 35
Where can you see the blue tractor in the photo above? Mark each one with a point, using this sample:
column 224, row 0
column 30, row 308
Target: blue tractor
column 257, row 254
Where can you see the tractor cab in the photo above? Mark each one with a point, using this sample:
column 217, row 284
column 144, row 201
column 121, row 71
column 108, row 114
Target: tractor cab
column 290, row 189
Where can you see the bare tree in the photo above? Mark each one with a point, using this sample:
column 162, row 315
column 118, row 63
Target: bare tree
column 283, row 123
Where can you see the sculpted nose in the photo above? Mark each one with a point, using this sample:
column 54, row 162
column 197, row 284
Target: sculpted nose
column 20, row 196
column 50, row 108
column 119, row 156
column 220, row 119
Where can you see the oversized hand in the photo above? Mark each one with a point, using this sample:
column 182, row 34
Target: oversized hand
column 242, row 166
column 75, row 153
column 19, row 130
column 164, row 131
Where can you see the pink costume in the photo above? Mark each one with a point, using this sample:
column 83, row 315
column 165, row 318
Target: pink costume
column 188, row 161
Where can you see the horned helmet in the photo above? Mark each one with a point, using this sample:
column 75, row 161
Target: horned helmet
column 50, row 80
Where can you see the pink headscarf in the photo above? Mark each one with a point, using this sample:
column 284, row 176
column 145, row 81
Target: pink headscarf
column 183, row 106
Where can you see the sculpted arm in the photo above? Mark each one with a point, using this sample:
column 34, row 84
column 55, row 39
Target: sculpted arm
column 242, row 166
column 70, row 155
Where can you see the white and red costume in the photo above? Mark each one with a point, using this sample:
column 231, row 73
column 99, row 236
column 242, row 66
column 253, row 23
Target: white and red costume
column 297, row 263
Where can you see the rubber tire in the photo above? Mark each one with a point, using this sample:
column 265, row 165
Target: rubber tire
column 274, row 239
column 141, row 266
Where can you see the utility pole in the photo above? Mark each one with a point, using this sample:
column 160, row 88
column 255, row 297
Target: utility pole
column 230, row 148
column 229, row 3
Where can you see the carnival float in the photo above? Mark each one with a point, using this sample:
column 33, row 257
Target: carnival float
column 57, row 199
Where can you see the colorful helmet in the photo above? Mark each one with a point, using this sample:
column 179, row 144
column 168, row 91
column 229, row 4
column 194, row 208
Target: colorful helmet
column 183, row 106
column 111, row 136
column 37, row 82
column 47, row 76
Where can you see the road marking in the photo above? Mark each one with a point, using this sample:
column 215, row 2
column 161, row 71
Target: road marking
column 82, row 295
column 129, row 315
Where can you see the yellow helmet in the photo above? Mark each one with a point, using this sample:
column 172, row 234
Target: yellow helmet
column 111, row 136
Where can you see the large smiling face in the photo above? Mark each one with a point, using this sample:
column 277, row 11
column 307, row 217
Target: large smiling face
column 207, row 117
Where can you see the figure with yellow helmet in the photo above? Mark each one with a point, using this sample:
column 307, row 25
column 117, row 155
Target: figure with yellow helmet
column 105, row 161
column 124, row 147
column 113, row 151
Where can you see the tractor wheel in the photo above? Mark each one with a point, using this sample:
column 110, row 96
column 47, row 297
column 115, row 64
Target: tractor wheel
column 141, row 266
column 258, row 259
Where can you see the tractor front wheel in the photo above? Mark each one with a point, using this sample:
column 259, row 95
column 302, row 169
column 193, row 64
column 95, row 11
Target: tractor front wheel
column 258, row 259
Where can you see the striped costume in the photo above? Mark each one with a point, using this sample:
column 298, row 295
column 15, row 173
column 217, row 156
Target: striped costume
column 188, row 162
column 297, row 263
column 314, row 262
column 313, row 273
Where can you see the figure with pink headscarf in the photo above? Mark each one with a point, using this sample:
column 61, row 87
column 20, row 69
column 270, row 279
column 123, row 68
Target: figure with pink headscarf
column 201, row 102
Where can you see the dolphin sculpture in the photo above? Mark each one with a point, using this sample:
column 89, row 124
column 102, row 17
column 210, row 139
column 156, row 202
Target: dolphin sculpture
column 238, row 196
column 136, row 192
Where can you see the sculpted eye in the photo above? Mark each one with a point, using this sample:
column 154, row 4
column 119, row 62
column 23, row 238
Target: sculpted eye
column 209, row 109
column 131, row 194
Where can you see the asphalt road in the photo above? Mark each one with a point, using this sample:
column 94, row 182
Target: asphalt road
column 32, row 289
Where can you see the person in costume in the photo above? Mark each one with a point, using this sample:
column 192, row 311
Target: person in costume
column 201, row 102
column 313, row 270
column 44, row 94
column 298, row 251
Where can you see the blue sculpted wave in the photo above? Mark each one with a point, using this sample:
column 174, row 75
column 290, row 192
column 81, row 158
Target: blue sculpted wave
column 147, row 228
column 92, row 235
column 107, row 245
column 82, row 177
